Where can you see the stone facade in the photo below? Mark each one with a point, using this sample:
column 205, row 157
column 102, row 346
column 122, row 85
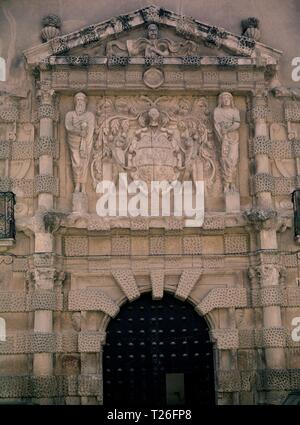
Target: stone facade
column 154, row 75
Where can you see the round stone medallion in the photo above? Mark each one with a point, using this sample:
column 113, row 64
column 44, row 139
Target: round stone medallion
column 153, row 78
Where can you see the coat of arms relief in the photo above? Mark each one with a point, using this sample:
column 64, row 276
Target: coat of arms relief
column 159, row 138
column 154, row 138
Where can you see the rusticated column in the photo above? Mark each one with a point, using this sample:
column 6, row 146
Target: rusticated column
column 270, row 298
column 43, row 322
column 44, row 279
column 43, row 274
column 262, row 179
column 45, row 181
column 265, row 221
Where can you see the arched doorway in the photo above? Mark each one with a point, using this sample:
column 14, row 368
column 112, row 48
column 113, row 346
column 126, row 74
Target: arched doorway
column 158, row 353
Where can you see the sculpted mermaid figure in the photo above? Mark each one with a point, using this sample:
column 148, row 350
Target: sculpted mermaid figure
column 151, row 46
column 80, row 125
column 227, row 124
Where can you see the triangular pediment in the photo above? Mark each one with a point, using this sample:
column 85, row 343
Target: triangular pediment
column 126, row 36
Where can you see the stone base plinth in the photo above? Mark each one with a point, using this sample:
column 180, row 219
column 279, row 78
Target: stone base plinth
column 232, row 201
column 80, row 203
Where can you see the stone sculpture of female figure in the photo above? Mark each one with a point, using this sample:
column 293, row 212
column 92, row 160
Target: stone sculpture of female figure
column 227, row 124
column 80, row 125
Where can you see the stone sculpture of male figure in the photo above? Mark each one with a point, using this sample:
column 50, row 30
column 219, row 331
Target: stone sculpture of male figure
column 80, row 125
column 227, row 124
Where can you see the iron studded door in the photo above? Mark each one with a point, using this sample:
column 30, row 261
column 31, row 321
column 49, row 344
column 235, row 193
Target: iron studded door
column 151, row 344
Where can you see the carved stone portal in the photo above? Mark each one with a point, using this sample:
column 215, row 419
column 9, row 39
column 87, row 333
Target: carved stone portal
column 144, row 114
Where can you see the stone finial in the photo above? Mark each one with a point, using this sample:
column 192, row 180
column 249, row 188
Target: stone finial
column 51, row 27
column 250, row 28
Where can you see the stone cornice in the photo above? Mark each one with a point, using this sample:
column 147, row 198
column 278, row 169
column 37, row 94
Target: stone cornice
column 188, row 28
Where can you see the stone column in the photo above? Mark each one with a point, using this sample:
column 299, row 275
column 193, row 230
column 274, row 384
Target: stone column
column 45, row 183
column 262, row 179
column 46, row 145
column 268, row 274
column 265, row 220
column 43, row 279
column 43, row 323
column 271, row 299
